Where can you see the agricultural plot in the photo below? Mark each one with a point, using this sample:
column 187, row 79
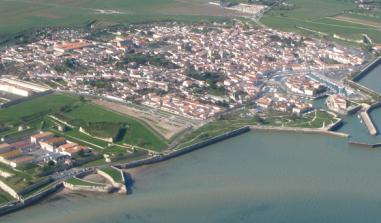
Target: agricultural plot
column 16, row 15
column 324, row 17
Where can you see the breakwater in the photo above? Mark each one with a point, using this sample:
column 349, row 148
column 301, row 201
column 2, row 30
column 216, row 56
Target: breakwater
column 368, row 123
column 24, row 202
column 92, row 188
column 299, row 130
column 23, row 99
column 185, row 150
column 120, row 186
column 334, row 126
column 364, row 144
column 188, row 149
column 367, row 119
column 35, row 186
column 367, row 69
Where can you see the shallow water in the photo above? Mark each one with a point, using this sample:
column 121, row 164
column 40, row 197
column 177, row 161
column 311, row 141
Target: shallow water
column 256, row 177
column 373, row 79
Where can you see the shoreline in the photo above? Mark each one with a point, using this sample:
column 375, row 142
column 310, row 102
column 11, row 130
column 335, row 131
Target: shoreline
column 366, row 70
column 177, row 153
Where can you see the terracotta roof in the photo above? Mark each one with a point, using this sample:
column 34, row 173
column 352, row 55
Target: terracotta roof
column 55, row 140
column 42, row 135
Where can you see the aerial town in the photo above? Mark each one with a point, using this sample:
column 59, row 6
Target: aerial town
column 194, row 71
column 176, row 78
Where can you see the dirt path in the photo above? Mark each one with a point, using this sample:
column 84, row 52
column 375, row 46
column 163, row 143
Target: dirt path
column 165, row 126
column 357, row 21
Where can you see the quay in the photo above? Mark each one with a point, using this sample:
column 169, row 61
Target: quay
column 367, row 69
column 298, row 130
column 367, row 119
column 368, row 123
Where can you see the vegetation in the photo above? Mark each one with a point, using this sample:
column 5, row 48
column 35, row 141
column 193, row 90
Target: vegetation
column 116, row 131
column 20, row 179
column 320, row 18
column 76, row 111
column 80, row 182
column 240, row 119
column 113, row 173
column 39, row 189
column 4, row 197
column 16, row 16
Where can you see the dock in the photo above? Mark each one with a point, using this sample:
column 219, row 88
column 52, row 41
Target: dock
column 368, row 123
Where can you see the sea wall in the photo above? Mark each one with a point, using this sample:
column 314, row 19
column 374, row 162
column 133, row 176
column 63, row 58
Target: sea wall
column 17, row 101
column 298, row 130
column 40, row 195
column 365, row 116
column 368, row 123
column 364, row 144
column 188, row 149
column 374, row 106
column 107, row 176
column 34, row 186
column 9, row 190
column 335, row 125
column 367, row 69
column 17, row 205
column 100, row 188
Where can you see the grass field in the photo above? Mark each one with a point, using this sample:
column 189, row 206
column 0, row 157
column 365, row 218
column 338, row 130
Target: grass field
column 19, row 180
column 322, row 16
column 5, row 197
column 32, row 113
column 113, row 173
column 19, row 15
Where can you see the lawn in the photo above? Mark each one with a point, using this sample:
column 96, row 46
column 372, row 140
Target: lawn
column 20, row 180
column 113, row 173
column 4, row 197
column 32, row 113
column 319, row 16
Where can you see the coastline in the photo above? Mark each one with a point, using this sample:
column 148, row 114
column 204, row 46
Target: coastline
column 12, row 206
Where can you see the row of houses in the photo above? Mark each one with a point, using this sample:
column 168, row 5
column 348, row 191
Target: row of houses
column 39, row 148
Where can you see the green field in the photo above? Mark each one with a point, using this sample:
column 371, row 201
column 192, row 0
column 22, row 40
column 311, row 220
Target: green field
column 72, row 110
column 20, row 180
column 113, row 173
column 19, row 15
column 320, row 16
column 5, row 197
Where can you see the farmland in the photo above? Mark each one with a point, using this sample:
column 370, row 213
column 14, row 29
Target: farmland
column 19, row 15
column 327, row 17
